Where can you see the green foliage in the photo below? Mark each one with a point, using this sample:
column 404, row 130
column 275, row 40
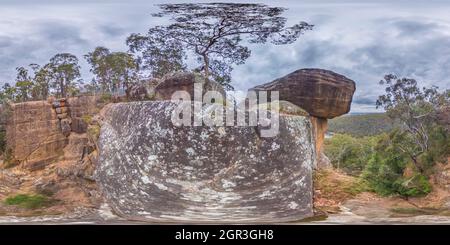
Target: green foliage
column 362, row 125
column 8, row 92
column 113, row 70
column 417, row 185
column 439, row 148
column 417, row 110
column 29, row 201
column 105, row 98
column 23, row 84
column 349, row 153
column 93, row 132
column 61, row 76
column 381, row 164
column 87, row 119
column 8, row 159
column 2, row 141
column 65, row 72
column 398, row 162
column 213, row 33
column 385, row 171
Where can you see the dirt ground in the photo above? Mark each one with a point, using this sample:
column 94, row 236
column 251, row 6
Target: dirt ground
column 340, row 198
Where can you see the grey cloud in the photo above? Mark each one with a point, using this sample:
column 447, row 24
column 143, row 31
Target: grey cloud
column 112, row 31
column 60, row 34
column 361, row 41
column 5, row 42
column 415, row 27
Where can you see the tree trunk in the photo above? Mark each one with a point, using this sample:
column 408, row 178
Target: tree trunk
column 127, row 90
column 416, row 164
column 206, row 61
column 63, row 92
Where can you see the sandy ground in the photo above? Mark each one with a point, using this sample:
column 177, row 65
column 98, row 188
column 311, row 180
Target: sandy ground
column 334, row 200
column 352, row 212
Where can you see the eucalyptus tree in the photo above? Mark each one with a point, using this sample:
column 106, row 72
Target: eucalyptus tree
column 41, row 81
column 215, row 33
column 24, row 84
column 113, row 70
column 417, row 109
column 7, row 92
column 65, row 73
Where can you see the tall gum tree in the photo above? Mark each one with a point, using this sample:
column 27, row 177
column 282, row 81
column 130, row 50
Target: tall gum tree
column 214, row 33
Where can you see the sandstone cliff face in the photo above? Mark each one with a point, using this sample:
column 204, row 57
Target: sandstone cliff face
column 38, row 131
column 55, row 157
column 34, row 133
column 150, row 170
column 81, row 107
column 321, row 93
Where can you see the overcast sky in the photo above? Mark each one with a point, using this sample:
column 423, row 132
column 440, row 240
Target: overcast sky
column 363, row 40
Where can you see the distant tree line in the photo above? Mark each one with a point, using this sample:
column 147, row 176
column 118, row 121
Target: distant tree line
column 212, row 33
column 361, row 125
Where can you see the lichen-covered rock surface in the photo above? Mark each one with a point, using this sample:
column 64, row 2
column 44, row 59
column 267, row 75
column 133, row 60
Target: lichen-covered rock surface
column 151, row 170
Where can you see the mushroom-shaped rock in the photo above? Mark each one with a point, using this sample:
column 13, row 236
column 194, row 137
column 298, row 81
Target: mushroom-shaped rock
column 184, row 81
column 151, row 170
column 321, row 93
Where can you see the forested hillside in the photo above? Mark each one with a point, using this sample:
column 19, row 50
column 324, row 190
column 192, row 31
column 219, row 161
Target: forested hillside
column 362, row 125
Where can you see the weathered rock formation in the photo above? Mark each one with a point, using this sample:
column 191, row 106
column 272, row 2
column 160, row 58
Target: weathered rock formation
column 151, row 170
column 38, row 131
column 34, row 134
column 56, row 156
column 321, row 93
column 320, row 127
column 81, row 108
column 184, row 81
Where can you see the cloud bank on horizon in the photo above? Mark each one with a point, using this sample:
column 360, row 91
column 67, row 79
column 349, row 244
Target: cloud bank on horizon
column 363, row 40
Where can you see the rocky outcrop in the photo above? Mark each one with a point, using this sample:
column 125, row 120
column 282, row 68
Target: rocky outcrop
column 62, row 113
column 151, row 170
column 320, row 126
column 322, row 93
column 34, row 134
column 184, row 81
column 38, row 131
column 82, row 108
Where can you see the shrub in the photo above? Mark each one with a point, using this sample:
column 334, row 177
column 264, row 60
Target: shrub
column 385, row 171
column 439, row 148
column 93, row 132
column 348, row 153
column 8, row 159
column 105, row 98
column 87, row 119
column 2, row 141
column 29, row 201
column 417, row 185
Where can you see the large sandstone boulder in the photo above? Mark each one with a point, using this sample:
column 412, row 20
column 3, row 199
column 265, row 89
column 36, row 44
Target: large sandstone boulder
column 184, row 81
column 321, row 93
column 151, row 170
